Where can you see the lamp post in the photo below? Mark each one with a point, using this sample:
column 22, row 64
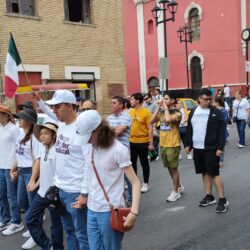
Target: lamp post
column 185, row 35
column 164, row 6
column 245, row 35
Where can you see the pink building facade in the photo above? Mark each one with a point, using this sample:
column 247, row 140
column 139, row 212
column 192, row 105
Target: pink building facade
column 215, row 57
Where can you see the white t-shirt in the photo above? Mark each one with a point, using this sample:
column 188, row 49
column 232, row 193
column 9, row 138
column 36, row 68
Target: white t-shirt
column 24, row 156
column 199, row 124
column 69, row 159
column 109, row 163
column 47, row 169
column 226, row 92
column 8, row 137
column 242, row 107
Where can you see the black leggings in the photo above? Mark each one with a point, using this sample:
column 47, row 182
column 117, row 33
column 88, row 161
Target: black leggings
column 141, row 150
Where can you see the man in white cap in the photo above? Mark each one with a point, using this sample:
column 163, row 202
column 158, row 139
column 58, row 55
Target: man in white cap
column 69, row 166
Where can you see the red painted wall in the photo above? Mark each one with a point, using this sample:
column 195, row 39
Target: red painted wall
column 220, row 44
column 131, row 46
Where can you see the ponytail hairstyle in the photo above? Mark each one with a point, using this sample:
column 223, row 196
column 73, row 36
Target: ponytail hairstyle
column 27, row 137
column 105, row 135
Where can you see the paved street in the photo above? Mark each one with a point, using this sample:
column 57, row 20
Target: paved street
column 183, row 225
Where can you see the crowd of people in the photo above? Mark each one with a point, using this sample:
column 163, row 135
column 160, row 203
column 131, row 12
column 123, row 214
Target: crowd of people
column 88, row 160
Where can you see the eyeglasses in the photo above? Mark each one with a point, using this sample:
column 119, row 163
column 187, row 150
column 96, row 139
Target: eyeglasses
column 146, row 98
column 82, row 110
column 206, row 99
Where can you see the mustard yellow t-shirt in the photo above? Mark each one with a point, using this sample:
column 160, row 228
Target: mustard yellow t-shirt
column 140, row 121
column 169, row 131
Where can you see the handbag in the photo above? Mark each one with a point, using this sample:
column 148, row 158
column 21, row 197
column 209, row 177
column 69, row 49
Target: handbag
column 117, row 214
column 52, row 196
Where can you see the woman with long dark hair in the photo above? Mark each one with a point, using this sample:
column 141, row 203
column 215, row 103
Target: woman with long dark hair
column 111, row 160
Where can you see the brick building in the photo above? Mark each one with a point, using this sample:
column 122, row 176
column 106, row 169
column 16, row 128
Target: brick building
column 216, row 56
column 67, row 41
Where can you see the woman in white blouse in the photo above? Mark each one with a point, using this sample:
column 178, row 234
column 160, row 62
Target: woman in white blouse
column 10, row 210
column 27, row 154
column 112, row 160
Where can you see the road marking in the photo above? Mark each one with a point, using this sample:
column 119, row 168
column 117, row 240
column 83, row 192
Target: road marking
column 175, row 209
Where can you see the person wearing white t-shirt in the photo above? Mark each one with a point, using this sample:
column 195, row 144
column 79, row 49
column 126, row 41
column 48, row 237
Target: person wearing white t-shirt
column 9, row 210
column 206, row 136
column 112, row 160
column 226, row 93
column 69, row 166
column 241, row 112
column 34, row 217
column 27, row 155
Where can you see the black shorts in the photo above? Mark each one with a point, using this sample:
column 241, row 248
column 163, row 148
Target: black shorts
column 206, row 162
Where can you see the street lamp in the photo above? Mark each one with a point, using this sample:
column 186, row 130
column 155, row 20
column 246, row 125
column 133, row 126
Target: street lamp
column 185, row 35
column 162, row 7
column 245, row 35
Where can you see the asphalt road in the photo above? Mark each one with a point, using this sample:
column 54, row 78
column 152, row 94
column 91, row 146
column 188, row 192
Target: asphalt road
column 183, row 225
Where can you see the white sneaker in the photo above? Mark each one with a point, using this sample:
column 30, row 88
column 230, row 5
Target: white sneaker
column 174, row 196
column 241, row 146
column 13, row 228
column 3, row 226
column 26, row 234
column 181, row 189
column 180, row 157
column 144, row 188
column 157, row 158
column 29, row 244
column 190, row 157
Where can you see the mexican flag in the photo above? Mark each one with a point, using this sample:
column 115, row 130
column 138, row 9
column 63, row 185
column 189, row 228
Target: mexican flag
column 11, row 72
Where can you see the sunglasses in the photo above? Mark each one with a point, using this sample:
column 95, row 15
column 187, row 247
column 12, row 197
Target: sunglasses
column 82, row 110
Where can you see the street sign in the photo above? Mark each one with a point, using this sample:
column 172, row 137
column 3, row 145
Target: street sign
column 247, row 66
column 163, row 68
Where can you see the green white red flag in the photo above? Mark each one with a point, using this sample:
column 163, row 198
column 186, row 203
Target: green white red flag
column 11, row 72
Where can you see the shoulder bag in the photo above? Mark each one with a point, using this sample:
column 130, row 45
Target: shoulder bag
column 117, row 214
column 235, row 119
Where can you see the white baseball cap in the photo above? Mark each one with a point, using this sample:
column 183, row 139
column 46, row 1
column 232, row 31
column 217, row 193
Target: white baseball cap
column 62, row 96
column 86, row 123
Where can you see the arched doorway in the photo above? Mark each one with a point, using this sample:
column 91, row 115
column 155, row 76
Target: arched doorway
column 196, row 72
column 153, row 83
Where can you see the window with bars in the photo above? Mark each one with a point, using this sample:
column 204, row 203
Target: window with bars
column 196, row 72
column 22, row 7
column 78, row 11
column 194, row 24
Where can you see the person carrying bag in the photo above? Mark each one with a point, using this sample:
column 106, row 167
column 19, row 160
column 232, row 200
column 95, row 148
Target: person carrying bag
column 106, row 162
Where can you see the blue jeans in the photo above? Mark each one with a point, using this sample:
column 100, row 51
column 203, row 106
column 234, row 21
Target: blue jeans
column 34, row 222
column 24, row 175
column 241, row 125
column 8, row 198
column 74, row 222
column 100, row 234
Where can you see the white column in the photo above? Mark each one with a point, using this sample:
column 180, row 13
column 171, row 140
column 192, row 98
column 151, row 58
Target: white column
column 141, row 44
column 161, row 51
column 243, row 22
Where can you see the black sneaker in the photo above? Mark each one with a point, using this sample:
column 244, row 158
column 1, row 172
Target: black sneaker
column 222, row 206
column 208, row 200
